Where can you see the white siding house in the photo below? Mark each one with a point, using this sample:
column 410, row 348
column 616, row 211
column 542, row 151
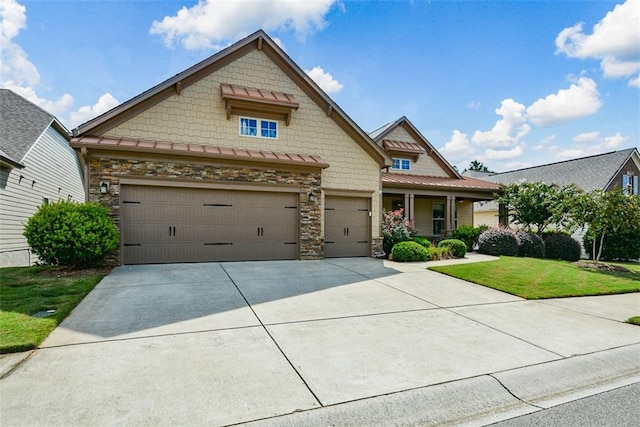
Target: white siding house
column 37, row 165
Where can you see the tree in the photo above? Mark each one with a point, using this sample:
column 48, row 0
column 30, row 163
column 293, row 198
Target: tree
column 537, row 205
column 604, row 213
column 475, row 165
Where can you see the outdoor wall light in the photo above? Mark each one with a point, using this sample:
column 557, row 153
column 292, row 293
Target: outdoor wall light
column 104, row 187
column 311, row 196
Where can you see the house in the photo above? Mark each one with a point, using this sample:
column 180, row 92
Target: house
column 37, row 166
column 240, row 157
column 607, row 171
column 432, row 193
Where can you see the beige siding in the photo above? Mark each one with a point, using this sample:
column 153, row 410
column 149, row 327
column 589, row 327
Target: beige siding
column 51, row 170
column 198, row 116
column 425, row 165
column 423, row 214
column 489, row 218
column 465, row 213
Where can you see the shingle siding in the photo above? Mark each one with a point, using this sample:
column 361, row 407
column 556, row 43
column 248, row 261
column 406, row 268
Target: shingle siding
column 425, row 165
column 54, row 167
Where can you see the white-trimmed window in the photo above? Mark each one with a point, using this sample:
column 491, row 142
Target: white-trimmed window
column 401, row 164
column 258, row 128
column 630, row 184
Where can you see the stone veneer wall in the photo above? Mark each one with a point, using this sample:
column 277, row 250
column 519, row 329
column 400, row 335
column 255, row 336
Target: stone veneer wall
column 111, row 170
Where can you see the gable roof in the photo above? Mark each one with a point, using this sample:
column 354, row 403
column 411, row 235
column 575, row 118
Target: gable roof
column 22, row 124
column 256, row 41
column 380, row 134
column 589, row 173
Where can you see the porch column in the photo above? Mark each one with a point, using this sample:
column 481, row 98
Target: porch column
column 450, row 215
column 407, row 206
column 412, row 213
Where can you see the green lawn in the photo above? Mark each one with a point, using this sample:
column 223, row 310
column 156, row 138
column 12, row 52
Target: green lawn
column 25, row 291
column 540, row 278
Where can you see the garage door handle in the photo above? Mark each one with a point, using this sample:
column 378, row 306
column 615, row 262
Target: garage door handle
column 260, row 231
column 172, row 231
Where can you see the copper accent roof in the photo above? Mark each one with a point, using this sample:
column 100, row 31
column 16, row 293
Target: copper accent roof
column 404, row 147
column 258, row 95
column 465, row 183
column 195, row 150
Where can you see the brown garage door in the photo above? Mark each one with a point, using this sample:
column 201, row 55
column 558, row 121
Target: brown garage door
column 167, row 224
column 347, row 226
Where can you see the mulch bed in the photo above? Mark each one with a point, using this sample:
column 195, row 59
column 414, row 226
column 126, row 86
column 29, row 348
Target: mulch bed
column 67, row 272
column 603, row 267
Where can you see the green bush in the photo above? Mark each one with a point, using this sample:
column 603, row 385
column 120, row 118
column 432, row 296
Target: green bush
column 469, row 235
column 422, row 241
column 395, row 228
column 616, row 246
column 437, row 253
column 409, row 252
column 498, row 241
column 559, row 245
column 458, row 247
column 71, row 234
column 530, row 245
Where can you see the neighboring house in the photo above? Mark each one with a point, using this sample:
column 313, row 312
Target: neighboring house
column 432, row 193
column 240, row 157
column 37, row 166
column 607, row 171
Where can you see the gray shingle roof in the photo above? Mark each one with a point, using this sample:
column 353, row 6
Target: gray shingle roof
column 588, row 173
column 21, row 124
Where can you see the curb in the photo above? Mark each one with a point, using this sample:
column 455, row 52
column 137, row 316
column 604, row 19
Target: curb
column 481, row 400
column 8, row 362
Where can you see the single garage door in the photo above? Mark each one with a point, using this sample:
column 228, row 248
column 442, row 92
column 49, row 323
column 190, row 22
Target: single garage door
column 347, row 227
column 167, row 224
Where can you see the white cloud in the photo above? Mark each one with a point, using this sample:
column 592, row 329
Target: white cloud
column 55, row 107
column 325, row 80
column 86, row 113
column 585, row 137
column 492, row 154
column 210, row 23
column 581, row 99
column 507, row 131
column 588, row 144
column 458, row 148
column 474, row 105
column 545, row 142
column 615, row 41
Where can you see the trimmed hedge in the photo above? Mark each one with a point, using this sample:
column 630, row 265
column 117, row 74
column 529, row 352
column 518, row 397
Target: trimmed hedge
column 530, row 245
column 498, row 241
column 75, row 235
column 458, row 247
column 559, row 245
column 422, row 241
column 409, row 252
column 469, row 235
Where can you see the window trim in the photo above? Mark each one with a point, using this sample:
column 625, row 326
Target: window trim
column 630, row 187
column 259, row 126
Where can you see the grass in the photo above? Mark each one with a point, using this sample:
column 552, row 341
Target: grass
column 541, row 278
column 634, row 320
column 25, row 291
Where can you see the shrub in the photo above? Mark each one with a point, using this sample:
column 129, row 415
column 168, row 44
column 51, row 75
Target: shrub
column 559, row 245
column 616, row 246
column 469, row 235
column 395, row 228
column 437, row 253
column 71, row 234
column 530, row 245
column 458, row 247
column 422, row 241
column 498, row 241
column 409, row 251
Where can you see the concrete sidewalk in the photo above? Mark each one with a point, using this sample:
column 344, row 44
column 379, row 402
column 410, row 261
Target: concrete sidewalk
column 338, row 342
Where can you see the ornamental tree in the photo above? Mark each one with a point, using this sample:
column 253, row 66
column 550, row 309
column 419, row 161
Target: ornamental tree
column 537, row 205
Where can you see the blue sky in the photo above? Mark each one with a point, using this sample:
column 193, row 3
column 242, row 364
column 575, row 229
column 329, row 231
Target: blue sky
column 510, row 83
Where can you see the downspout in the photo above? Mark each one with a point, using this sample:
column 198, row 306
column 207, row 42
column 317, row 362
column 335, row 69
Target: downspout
column 84, row 154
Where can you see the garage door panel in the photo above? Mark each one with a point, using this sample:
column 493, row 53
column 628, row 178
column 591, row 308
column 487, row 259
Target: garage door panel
column 166, row 224
column 347, row 226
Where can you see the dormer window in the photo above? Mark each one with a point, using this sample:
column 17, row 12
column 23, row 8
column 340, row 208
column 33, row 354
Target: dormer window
column 401, row 164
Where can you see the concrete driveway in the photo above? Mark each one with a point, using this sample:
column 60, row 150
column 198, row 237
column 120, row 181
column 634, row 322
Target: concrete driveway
column 341, row 342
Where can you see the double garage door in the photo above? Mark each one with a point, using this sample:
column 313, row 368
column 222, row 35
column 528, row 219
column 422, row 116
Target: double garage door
column 166, row 224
